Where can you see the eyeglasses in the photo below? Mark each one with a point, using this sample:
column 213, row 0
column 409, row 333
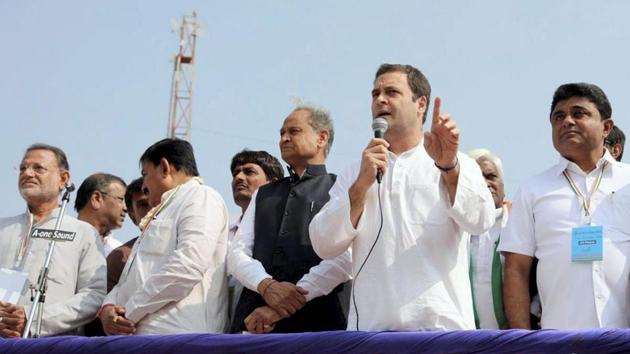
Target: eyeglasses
column 121, row 199
column 37, row 168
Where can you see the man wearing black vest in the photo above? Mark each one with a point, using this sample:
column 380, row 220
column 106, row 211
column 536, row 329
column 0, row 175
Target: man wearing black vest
column 287, row 287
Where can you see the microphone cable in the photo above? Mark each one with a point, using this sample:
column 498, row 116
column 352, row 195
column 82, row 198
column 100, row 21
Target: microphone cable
column 378, row 234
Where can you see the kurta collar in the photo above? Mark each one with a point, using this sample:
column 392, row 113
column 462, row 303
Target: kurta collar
column 409, row 152
column 53, row 214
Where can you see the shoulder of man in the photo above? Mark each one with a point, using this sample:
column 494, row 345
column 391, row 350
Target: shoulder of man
column 328, row 177
column 200, row 195
column 622, row 166
column 8, row 221
column 85, row 232
column 271, row 186
column 122, row 251
column 542, row 178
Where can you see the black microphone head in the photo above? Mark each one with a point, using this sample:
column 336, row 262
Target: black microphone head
column 70, row 188
column 379, row 126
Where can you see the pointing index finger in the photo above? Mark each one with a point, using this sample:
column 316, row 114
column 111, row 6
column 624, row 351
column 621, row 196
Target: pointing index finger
column 436, row 110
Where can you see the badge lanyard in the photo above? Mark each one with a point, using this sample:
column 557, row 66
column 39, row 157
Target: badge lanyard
column 586, row 202
column 21, row 251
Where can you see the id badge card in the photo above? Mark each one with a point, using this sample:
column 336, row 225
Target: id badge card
column 587, row 243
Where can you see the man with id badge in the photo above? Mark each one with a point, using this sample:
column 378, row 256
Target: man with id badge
column 76, row 279
column 575, row 218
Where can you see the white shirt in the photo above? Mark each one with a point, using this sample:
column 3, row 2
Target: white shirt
column 417, row 275
column 320, row 280
column 174, row 280
column 76, row 279
column 482, row 254
column 545, row 209
column 235, row 287
column 109, row 244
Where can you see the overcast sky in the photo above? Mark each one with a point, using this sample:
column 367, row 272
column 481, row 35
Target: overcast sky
column 94, row 77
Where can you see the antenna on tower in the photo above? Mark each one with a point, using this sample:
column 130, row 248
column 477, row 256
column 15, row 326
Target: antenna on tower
column 180, row 113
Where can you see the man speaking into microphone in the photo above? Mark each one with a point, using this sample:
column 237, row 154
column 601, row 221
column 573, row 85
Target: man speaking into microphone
column 408, row 233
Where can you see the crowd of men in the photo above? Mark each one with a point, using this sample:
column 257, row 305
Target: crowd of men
column 415, row 235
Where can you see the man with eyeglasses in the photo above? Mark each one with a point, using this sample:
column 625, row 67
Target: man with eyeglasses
column 137, row 202
column 76, row 285
column 101, row 203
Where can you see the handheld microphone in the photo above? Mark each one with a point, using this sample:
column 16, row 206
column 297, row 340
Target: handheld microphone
column 379, row 126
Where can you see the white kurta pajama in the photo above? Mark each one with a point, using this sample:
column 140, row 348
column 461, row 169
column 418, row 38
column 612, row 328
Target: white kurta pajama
column 417, row 275
column 175, row 278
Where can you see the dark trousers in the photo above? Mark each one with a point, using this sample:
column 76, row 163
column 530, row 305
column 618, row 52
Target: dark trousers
column 323, row 313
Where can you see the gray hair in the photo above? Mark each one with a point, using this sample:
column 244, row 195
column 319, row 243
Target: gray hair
column 320, row 120
column 485, row 154
column 62, row 160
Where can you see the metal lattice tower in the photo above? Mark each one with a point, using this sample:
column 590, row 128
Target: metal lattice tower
column 180, row 114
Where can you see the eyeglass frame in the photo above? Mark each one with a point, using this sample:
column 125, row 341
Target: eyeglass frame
column 37, row 169
column 121, row 199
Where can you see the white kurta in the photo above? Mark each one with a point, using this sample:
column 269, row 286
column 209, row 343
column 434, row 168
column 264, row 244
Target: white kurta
column 76, row 280
column 575, row 294
column 417, row 275
column 235, row 288
column 175, row 278
column 482, row 253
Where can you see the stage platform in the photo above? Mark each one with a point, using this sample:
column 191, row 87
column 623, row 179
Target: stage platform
column 482, row 341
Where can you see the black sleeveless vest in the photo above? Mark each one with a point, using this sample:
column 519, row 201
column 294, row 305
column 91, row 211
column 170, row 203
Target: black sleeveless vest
column 284, row 209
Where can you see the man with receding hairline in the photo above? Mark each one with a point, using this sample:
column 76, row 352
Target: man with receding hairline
column 486, row 275
column 76, row 279
column 100, row 202
column 288, row 288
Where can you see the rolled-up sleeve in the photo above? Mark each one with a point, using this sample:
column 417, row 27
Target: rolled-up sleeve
column 518, row 236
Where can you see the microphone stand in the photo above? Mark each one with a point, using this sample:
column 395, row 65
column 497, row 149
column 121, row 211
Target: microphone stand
column 42, row 281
